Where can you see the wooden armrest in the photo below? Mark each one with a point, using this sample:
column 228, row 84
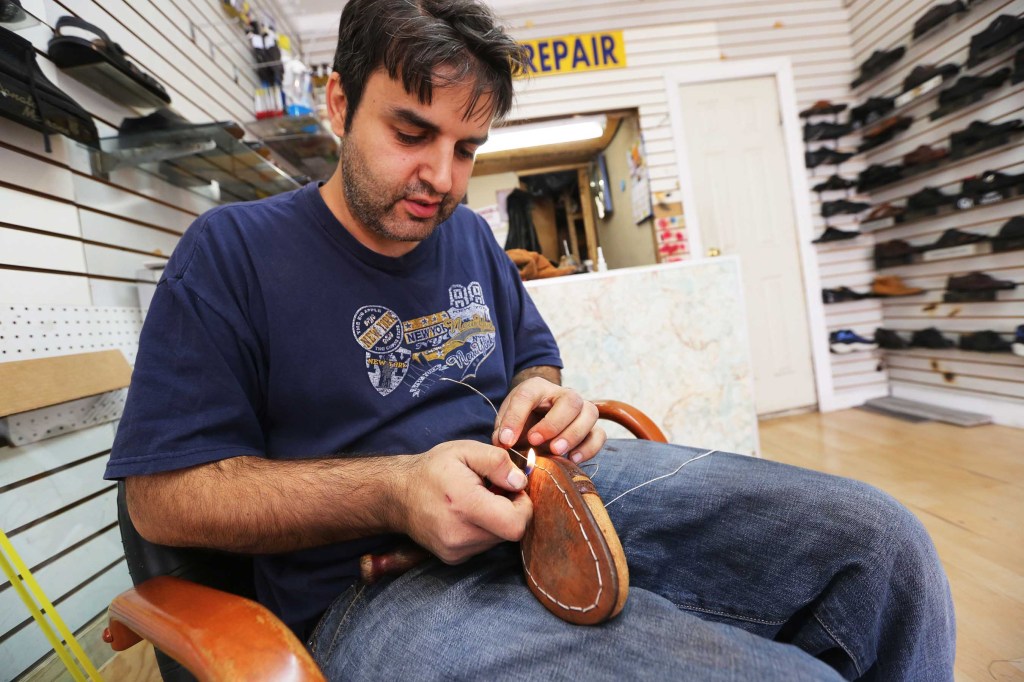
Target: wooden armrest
column 635, row 421
column 215, row 635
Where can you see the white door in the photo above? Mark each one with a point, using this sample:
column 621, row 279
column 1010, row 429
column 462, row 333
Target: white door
column 744, row 203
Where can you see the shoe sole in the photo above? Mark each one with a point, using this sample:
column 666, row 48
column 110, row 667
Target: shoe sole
column 1018, row 349
column 844, row 348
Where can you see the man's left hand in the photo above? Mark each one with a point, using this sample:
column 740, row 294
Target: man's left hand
column 551, row 414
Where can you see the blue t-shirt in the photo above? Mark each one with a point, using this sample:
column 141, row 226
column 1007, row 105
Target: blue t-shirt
column 274, row 333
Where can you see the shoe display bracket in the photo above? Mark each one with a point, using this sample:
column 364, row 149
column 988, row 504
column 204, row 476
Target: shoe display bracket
column 199, row 156
column 302, row 141
column 964, row 251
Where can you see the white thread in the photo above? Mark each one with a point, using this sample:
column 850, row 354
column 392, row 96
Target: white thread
column 590, row 546
column 709, row 452
column 456, row 381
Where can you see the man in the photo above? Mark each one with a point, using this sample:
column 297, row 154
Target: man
column 295, row 359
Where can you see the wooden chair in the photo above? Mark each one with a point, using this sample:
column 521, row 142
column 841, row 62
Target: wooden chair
column 198, row 606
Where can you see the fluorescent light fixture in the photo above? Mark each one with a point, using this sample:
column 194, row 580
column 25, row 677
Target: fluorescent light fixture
column 541, row 134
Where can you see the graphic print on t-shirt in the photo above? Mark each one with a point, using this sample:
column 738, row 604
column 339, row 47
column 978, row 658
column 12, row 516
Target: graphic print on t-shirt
column 454, row 341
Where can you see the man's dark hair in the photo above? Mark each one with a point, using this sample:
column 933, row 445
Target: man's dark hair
column 412, row 39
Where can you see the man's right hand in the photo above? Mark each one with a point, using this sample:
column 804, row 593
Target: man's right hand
column 450, row 511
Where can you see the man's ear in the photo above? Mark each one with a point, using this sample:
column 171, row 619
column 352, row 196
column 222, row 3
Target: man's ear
column 337, row 105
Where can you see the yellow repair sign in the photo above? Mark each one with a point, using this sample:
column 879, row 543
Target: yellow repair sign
column 575, row 53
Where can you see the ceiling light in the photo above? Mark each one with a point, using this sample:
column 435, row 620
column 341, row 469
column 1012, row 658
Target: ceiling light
column 542, row 134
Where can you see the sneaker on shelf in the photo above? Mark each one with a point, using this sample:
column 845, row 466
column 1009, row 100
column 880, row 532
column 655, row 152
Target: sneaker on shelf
column 1018, row 341
column 831, row 234
column 893, row 285
column 979, row 281
column 834, row 182
column 930, row 338
column 986, row 341
column 890, row 340
column 847, row 341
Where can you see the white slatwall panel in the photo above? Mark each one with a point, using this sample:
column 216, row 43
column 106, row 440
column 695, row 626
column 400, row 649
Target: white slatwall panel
column 983, row 382
column 70, row 245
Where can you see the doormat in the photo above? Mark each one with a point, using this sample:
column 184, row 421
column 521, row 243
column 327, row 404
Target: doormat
column 903, row 416
column 942, row 414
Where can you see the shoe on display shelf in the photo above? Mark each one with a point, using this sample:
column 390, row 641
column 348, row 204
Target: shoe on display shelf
column 893, row 285
column 885, row 210
column 986, row 341
column 877, row 175
column 954, row 237
column 928, row 200
column 989, row 187
column 1003, row 33
column 924, row 154
column 822, row 108
column 1010, row 236
column 893, row 252
column 930, row 338
column 872, row 110
column 879, row 61
column 834, row 182
column 978, row 281
column 926, row 72
column 825, row 156
column 843, row 295
column 831, row 234
column 814, row 132
column 1018, row 341
column 936, row 16
column 847, row 341
column 841, row 206
column 890, row 340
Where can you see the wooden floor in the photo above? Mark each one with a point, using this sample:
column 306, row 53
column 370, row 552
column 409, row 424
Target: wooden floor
column 966, row 486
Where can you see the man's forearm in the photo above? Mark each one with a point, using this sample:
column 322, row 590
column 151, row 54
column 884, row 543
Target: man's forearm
column 256, row 505
column 552, row 374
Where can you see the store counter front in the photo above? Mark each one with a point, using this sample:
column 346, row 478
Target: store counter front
column 669, row 339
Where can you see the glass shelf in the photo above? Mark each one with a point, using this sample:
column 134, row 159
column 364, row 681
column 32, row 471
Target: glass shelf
column 196, row 156
column 15, row 18
column 302, row 141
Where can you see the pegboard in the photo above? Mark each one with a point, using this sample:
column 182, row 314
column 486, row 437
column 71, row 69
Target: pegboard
column 75, row 415
column 35, row 331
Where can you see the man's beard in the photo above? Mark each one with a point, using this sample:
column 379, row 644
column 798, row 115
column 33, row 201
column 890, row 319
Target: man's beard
column 379, row 213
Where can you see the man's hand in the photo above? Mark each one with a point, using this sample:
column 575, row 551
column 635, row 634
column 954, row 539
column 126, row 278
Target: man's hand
column 548, row 413
column 451, row 512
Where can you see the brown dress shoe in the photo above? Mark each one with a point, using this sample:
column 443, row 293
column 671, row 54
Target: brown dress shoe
column 885, row 210
column 892, row 286
column 925, row 154
column 572, row 557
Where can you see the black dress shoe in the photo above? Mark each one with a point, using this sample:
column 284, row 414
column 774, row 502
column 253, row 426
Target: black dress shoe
column 971, row 86
column 824, row 155
column 929, row 199
column 814, row 132
column 954, row 237
column 979, row 131
column 1010, row 236
column 925, row 72
column 979, row 281
column 887, row 338
column 831, row 234
column 878, row 62
column 985, row 342
column 877, row 175
column 834, row 182
column 872, row 110
column 831, row 208
column 936, row 16
column 1004, row 32
column 930, row 338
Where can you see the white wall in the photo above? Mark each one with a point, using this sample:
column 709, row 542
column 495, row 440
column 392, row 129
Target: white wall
column 982, row 382
column 70, row 245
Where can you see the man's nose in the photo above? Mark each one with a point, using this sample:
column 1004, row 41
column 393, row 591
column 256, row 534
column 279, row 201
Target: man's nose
column 436, row 171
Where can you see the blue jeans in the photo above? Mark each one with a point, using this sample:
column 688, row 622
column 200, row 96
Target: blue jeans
column 740, row 569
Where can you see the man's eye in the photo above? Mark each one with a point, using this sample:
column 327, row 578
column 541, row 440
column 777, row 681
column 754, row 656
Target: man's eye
column 466, row 153
column 408, row 139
